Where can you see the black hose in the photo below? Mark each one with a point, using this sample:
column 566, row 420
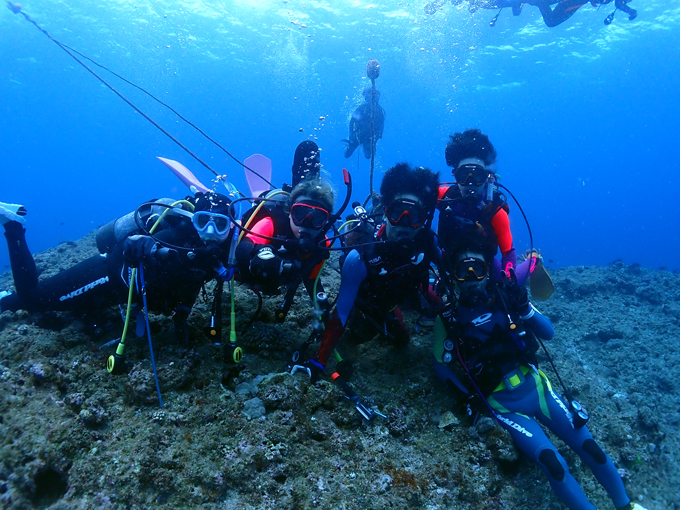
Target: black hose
column 147, row 232
column 68, row 50
column 531, row 237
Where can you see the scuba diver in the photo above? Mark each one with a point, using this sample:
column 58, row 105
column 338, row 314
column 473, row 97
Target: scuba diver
column 474, row 210
column 188, row 247
column 379, row 276
column 552, row 16
column 485, row 353
column 473, row 207
column 281, row 246
column 360, row 125
column 565, row 9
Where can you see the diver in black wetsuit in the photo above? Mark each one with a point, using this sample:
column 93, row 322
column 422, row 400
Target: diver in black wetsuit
column 565, row 9
column 185, row 251
column 552, row 16
column 361, row 125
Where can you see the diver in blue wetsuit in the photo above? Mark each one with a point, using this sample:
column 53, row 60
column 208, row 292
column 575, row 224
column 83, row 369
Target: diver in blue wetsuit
column 383, row 274
column 485, row 352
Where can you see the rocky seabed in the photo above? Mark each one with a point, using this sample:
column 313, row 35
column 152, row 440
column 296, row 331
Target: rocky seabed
column 251, row 436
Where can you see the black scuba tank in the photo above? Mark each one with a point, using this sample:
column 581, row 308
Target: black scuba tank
column 275, row 208
column 116, row 231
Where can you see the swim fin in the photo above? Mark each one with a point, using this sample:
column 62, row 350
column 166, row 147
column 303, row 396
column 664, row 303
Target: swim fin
column 262, row 165
column 540, row 283
column 184, row 174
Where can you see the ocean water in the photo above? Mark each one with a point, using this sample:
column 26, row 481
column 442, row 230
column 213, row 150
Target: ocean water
column 584, row 116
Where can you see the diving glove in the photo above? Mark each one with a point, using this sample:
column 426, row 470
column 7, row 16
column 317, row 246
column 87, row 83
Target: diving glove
column 140, row 249
column 517, row 294
column 265, row 264
column 472, row 406
column 312, row 367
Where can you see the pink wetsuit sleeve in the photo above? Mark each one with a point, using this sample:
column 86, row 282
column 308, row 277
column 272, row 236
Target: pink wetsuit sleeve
column 263, row 227
column 501, row 225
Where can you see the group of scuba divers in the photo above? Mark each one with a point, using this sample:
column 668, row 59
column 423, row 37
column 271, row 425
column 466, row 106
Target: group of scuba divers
column 554, row 12
column 486, row 329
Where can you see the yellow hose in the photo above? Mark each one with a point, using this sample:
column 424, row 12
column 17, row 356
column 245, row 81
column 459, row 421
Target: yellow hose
column 257, row 210
column 121, row 344
column 348, row 222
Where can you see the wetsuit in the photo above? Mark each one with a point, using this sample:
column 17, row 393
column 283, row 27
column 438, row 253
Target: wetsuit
column 103, row 280
column 360, row 127
column 468, row 220
column 565, row 9
column 503, row 366
column 376, row 279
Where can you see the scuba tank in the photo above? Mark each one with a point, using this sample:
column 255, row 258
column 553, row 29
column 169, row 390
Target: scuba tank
column 274, row 205
column 118, row 230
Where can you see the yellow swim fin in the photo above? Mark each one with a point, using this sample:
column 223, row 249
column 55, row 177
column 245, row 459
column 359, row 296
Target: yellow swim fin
column 540, row 283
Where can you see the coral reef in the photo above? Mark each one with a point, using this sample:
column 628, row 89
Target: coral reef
column 251, row 436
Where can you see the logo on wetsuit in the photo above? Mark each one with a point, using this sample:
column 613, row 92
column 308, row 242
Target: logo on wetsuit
column 85, row 288
column 482, row 319
column 375, row 261
column 514, row 425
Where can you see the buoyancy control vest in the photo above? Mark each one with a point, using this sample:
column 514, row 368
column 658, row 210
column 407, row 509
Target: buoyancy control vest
column 277, row 209
column 116, row 231
column 396, row 269
column 488, row 346
column 466, row 221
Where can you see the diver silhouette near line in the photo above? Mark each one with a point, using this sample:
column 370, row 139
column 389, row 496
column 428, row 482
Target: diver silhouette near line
column 360, row 125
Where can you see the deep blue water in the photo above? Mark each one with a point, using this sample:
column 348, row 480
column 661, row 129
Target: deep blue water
column 584, row 116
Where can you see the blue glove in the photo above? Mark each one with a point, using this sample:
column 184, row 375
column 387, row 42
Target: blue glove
column 315, row 370
column 140, row 249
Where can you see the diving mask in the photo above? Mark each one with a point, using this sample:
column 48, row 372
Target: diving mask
column 471, row 174
column 308, row 215
column 211, row 226
column 470, row 269
column 406, row 213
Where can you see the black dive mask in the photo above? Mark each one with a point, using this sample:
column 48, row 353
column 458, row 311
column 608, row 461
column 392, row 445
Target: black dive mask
column 471, row 174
